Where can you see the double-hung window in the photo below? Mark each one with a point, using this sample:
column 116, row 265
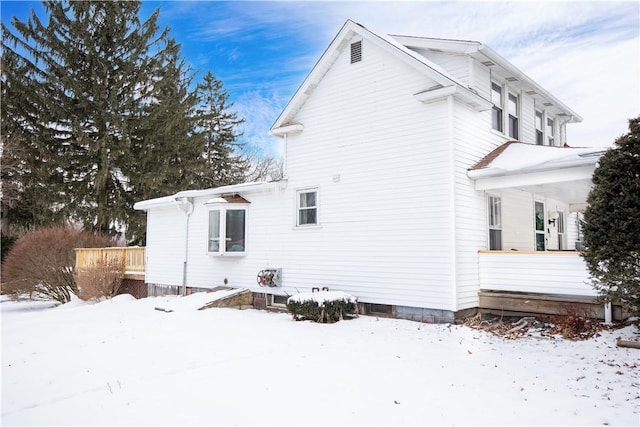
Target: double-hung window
column 561, row 232
column 550, row 127
column 539, row 130
column 494, row 214
column 227, row 230
column 513, row 116
column 496, row 112
column 307, row 207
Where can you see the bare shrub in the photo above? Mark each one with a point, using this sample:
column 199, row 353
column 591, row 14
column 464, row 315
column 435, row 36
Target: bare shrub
column 40, row 264
column 102, row 279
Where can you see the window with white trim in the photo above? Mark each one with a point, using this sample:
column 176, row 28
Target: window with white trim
column 550, row 133
column 513, row 109
column 307, row 207
column 227, row 231
column 494, row 215
column 561, row 233
column 496, row 112
column 539, row 129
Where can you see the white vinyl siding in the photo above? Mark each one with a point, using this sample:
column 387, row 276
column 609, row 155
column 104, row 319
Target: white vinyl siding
column 388, row 262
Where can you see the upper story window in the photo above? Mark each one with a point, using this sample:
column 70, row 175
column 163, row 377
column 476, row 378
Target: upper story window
column 307, row 207
column 513, row 116
column 496, row 114
column 494, row 215
column 539, row 130
column 550, row 131
column 227, row 229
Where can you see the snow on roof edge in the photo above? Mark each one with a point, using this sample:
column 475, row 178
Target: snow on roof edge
column 516, row 157
column 168, row 200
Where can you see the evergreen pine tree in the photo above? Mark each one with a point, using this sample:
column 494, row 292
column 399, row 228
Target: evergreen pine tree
column 98, row 106
column 168, row 134
column 612, row 221
column 218, row 126
column 85, row 72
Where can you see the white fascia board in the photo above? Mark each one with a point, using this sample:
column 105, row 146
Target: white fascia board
column 519, row 179
column 446, row 45
column 324, row 63
column 227, row 189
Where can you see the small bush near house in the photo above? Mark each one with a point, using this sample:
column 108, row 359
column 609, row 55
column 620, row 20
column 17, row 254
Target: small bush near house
column 102, row 280
column 322, row 307
column 40, row 264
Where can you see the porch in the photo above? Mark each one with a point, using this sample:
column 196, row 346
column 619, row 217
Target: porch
column 538, row 282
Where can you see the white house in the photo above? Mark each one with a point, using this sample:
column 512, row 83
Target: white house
column 420, row 173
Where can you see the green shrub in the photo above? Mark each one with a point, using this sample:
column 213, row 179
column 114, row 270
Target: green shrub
column 322, row 307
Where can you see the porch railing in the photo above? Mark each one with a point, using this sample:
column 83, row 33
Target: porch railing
column 549, row 272
column 133, row 256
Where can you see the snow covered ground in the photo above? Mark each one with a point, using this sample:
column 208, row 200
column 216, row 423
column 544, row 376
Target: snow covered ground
column 124, row 362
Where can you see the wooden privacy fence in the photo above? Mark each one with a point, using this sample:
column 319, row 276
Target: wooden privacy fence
column 133, row 256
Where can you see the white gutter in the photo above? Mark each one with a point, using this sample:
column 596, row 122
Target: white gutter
column 227, row 189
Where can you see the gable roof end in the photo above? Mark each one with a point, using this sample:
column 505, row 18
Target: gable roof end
column 390, row 45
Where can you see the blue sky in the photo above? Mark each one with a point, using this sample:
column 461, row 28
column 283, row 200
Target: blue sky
column 585, row 53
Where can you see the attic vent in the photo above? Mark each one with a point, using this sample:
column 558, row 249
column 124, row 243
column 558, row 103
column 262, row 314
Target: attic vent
column 531, row 92
column 511, row 79
column 547, row 104
column 356, row 51
column 488, row 63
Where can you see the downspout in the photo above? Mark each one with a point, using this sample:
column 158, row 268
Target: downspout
column 185, row 205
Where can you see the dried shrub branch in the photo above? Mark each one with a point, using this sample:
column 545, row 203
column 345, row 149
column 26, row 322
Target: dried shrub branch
column 40, row 264
column 102, row 280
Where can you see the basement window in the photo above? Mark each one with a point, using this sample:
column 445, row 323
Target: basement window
column 356, row 51
column 279, row 300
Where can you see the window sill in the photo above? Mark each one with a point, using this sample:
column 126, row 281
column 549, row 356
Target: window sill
column 226, row 254
column 307, row 227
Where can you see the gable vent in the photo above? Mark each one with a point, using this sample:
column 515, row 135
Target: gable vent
column 356, row 51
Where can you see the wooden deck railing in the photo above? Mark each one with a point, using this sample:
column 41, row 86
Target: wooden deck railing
column 133, row 256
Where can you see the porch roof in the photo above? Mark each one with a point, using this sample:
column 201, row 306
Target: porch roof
column 562, row 173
